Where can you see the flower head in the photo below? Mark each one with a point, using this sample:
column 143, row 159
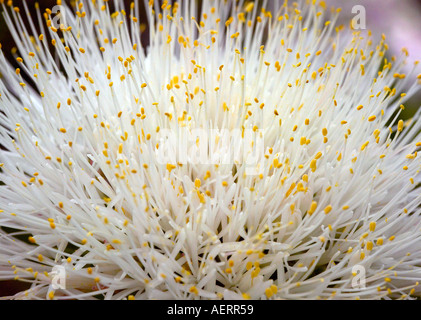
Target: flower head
column 245, row 152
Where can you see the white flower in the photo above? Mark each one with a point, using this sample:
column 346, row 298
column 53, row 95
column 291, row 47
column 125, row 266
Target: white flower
column 329, row 209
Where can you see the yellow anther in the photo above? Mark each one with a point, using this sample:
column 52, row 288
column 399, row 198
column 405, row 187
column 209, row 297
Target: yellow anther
column 313, row 208
column 255, row 272
column 197, row 183
column 400, row 125
column 268, row 293
column 379, row 241
column 313, row 165
column 364, row 145
column 194, row 290
column 249, row 7
column 328, row 209
column 170, row 167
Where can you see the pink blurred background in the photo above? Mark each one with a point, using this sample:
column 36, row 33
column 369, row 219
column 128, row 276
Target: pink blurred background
column 400, row 22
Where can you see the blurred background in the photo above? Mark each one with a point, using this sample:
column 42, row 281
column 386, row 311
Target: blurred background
column 399, row 20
